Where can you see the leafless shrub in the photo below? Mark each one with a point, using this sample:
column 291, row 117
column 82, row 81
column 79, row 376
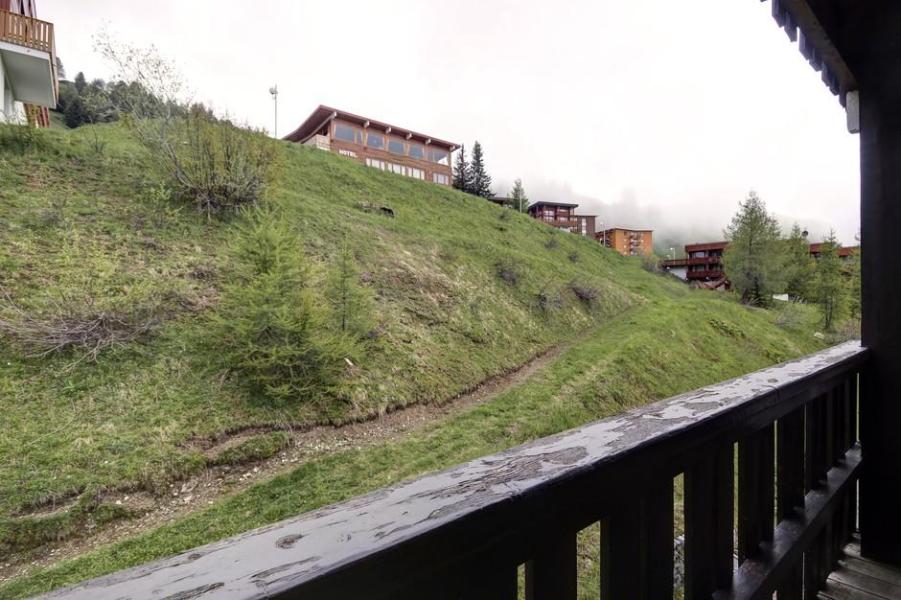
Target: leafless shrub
column 651, row 263
column 548, row 299
column 584, row 293
column 87, row 330
column 551, row 243
column 574, row 257
column 507, row 271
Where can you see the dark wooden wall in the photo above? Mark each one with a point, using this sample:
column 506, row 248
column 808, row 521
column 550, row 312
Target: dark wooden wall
column 878, row 69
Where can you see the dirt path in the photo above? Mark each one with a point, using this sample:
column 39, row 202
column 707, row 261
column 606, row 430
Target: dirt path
column 218, row 482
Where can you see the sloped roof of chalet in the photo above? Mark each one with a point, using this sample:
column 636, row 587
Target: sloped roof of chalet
column 706, row 246
column 627, row 229
column 801, row 24
column 557, row 204
column 324, row 114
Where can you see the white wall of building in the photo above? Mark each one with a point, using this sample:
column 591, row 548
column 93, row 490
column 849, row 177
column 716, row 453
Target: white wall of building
column 10, row 110
column 680, row 272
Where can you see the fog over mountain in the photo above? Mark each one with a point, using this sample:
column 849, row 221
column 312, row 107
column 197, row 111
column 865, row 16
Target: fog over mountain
column 673, row 228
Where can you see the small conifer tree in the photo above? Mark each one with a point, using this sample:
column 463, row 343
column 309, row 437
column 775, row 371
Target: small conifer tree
column 518, row 196
column 269, row 328
column 481, row 180
column 462, row 175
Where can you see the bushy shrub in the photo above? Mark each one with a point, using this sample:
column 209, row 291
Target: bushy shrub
column 587, row 294
column 507, row 270
column 22, row 139
column 214, row 164
column 651, row 263
column 269, row 328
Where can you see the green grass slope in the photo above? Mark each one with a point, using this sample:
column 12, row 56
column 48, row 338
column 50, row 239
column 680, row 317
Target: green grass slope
column 80, row 228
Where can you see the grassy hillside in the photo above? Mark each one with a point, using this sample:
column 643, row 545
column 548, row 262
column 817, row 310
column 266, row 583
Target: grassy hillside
column 464, row 290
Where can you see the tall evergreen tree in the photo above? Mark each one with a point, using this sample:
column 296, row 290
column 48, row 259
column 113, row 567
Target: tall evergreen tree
column 80, row 82
column 518, row 195
column 831, row 289
column 854, row 285
column 481, row 180
column 800, row 266
column 753, row 260
column 462, row 174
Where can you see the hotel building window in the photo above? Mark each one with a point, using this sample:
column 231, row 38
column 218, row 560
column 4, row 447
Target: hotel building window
column 395, row 146
column 416, row 151
column 375, row 140
column 440, row 178
column 348, row 134
column 439, row 156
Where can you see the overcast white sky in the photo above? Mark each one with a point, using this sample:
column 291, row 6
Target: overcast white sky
column 651, row 113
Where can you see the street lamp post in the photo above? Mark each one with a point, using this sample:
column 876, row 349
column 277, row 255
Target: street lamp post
column 274, row 91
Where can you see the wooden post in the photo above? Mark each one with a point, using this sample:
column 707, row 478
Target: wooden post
column 880, row 208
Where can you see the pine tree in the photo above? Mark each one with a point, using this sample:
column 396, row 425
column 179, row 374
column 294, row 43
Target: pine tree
column 351, row 302
column 481, row 180
column 518, row 195
column 831, row 289
column 854, row 285
column 800, row 266
column 80, row 82
column 754, row 259
column 269, row 327
column 462, row 174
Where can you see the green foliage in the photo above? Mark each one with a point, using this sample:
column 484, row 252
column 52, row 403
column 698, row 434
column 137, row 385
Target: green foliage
column 800, row 266
column 481, row 180
column 351, row 302
column 854, row 284
column 462, row 175
column 23, row 139
column 753, row 261
column 213, row 164
column 472, row 177
column 830, row 284
column 446, row 322
column 518, row 196
column 269, row 328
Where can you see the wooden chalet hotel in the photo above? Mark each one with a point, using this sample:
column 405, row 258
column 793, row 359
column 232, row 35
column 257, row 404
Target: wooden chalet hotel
column 377, row 144
column 704, row 261
column 790, row 475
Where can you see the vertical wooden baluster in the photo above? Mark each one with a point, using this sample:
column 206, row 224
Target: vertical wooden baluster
column 497, row 584
column 552, row 573
column 657, row 542
column 621, row 552
column 709, row 521
column 814, row 468
column 790, row 486
column 829, row 430
column 755, row 492
column 853, row 391
column 637, row 547
column 811, row 569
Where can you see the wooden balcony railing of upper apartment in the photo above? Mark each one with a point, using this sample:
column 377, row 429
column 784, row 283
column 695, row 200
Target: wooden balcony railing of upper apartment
column 705, row 274
column 783, row 440
column 26, row 31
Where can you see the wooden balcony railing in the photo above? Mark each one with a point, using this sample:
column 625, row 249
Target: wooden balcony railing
column 783, row 440
column 26, row 31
